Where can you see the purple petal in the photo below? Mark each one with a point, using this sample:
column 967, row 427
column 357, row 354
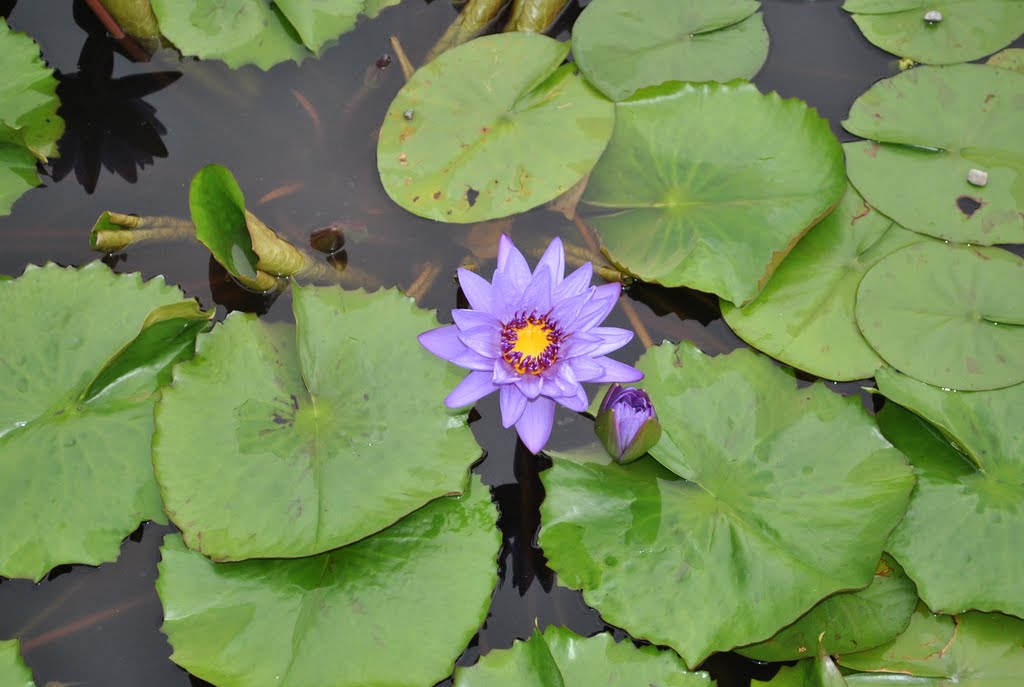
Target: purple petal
column 530, row 385
column 614, row 371
column 534, row 427
column 471, row 360
column 475, row 386
column 577, row 402
column 586, row 369
column 568, row 309
column 503, row 373
column 537, row 296
column 565, row 380
column 443, row 342
column 612, row 339
column 506, row 297
column 484, row 340
column 512, row 263
column 600, row 304
column 579, row 344
column 476, row 288
column 553, row 260
column 467, row 319
column 513, row 403
column 576, row 283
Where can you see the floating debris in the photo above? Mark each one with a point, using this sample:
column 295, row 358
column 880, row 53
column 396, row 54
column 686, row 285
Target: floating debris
column 408, row 114
column 977, row 177
column 933, row 17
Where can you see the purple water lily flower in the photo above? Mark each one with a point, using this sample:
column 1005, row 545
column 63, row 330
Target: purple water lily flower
column 533, row 337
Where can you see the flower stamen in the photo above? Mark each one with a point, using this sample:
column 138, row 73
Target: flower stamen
column 530, row 343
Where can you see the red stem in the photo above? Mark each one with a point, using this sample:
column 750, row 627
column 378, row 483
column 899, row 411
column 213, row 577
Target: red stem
column 131, row 46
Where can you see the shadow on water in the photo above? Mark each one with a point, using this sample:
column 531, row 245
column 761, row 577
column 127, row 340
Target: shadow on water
column 301, row 140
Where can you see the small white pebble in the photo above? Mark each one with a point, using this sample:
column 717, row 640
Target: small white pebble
column 977, row 177
column 933, row 17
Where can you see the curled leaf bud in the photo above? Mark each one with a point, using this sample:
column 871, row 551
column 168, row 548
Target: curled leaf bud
column 626, row 423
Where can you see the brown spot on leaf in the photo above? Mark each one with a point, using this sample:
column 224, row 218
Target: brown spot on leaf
column 872, row 150
column 968, row 205
column 485, row 130
column 972, row 366
column 437, row 195
column 863, row 213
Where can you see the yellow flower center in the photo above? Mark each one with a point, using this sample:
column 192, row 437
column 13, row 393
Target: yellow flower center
column 530, row 344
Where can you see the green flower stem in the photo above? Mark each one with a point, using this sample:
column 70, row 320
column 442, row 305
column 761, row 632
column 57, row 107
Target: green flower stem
column 471, row 22
column 115, row 231
column 534, row 15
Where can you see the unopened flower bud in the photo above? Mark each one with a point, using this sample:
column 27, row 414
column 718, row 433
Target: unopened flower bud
column 626, row 423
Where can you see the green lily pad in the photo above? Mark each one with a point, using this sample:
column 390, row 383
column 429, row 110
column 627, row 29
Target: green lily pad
column 76, row 415
column 624, row 45
column 698, row 197
column 217, row 205
column 259, row 32
column 915, row 167
column 819, row 671
column 354, row 616
column 969, row 29
column 969, row 650
column 561, row 658
column 804, row 316
column 754, row 514
column 286, row 441
column 850, row 621
column 13, row 671
column 970, row 496
column 491, row 128
column 29, row 125
column 1011, row 58
column 948, row 315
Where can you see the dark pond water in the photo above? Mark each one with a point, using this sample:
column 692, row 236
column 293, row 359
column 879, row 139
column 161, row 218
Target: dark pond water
column 301, row 141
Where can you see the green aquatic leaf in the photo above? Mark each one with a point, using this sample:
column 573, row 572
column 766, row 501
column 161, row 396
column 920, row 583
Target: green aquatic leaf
column 257, row 31
column 350, row 617
column 851, row 621
column 915, row 167
column 948, row 315
column 819, row 671
column 13, row 671
column 768, row 498
column 698, row 197
column 491, row 128
column 625, row 45
column 1011, row 58
column 805, row 315
column 29, row 125
column 217, row 205
column 960, row 539
column 968, row 29
column 76, row 414
column 286, row 441
column 561, row 658
column 969, row 650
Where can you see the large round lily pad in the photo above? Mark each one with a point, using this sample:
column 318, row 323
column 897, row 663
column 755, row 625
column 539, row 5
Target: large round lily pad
column 960, row 539
column 698, row 197
column 76, row 412
column 285, row 441
column 29, row 125
column 13, row 671
column 948, row 315
column 969, row 650
column 768, row 498
column 561, row 658
column 491, row 128
column 968, row 29
column 347, row 618
column 915, row 167
column 850, row 621
column 624, row 45
column 257, row 31
column 804, row 316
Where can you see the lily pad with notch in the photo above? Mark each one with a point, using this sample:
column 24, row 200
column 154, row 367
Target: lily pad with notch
column 917, row 167
column 313, row 436
column 946, row 314
column 493, row 127
column 692, row 195
column 805, row 315
column 624, row 45
column 735, row 525
column 939, row 31
column 960, row 539
column 969, row 650
column 559, row 657
column 350, row 617
column 80, row 371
